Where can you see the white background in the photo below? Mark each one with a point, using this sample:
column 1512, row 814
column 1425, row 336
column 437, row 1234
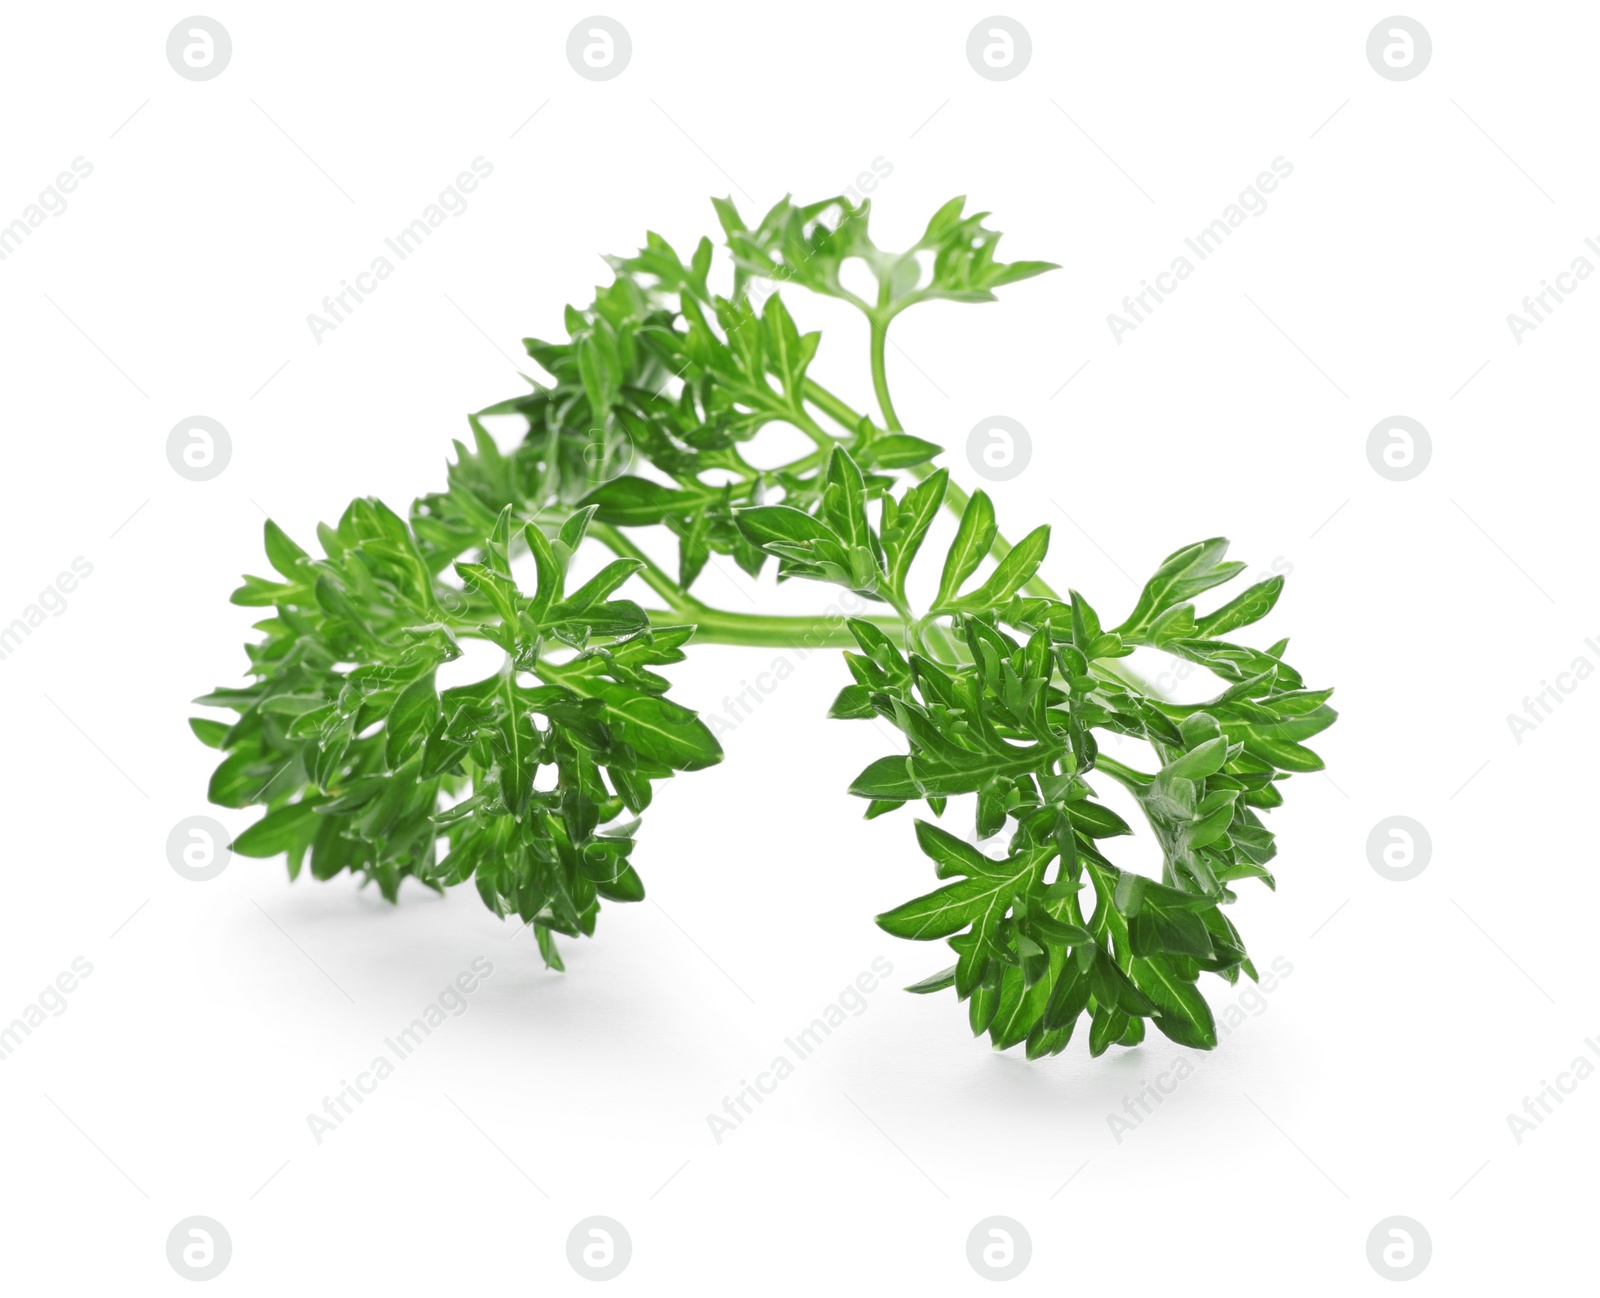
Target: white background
column 1418, row 1014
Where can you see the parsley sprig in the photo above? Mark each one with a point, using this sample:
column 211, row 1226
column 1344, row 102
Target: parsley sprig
column 530, row 781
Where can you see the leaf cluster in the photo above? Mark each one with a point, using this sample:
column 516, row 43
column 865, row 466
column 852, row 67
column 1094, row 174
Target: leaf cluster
column 364, row 764
column 1049, row 929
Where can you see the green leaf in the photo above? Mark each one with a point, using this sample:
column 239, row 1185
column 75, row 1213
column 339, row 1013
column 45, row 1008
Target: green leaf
column 608, row 579
column 283, row 554
column 951, row 856
column 934, row 982
column 888, row 778
column 516, row 749
column 412, row 717
column 282, row 830
column 1184, row 1015
column 576, row 528
column 976, row 900
column 844, row 500
column 1163, row 919
column 902, row 451
column 1069, row 997
column 903, row 537
column 974, row 536
column 500, row 591
column 788, row 354
column 636, row 502
column 658, row 728
column 1011, row 574
column 1022, row 1004
column 854, row 702
column 550, row 572
column 1183, row 574
column 764, row 524
column 1108, row 1026
column 1203, row 760
column 1251, row 606
column 208, row 732
column 600, row 367
column 965, row 268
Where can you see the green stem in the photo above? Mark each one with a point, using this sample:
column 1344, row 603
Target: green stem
column 714, row 626
column 880, row 372
column 1124, row 775
column 940, row 641
column 806, row 424
column 832, row 406
column 718, row 626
